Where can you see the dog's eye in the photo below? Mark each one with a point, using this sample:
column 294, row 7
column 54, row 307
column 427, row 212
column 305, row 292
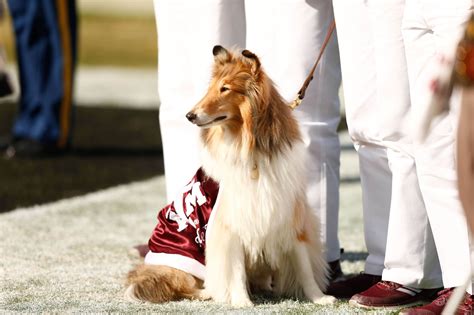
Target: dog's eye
column 224, row 88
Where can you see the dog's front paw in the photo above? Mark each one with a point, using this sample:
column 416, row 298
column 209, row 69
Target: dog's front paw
column 203, row 295
column 240, row 303
column 324, row 300
column 240, row 299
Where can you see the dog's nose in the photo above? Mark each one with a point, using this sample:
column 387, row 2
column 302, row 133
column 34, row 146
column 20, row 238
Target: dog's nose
column 191, row 116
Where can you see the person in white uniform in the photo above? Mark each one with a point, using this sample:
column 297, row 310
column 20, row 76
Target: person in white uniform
column 286, row 35
column 386, row 47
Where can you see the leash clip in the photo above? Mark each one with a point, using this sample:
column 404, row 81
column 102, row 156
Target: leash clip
column 296, row 102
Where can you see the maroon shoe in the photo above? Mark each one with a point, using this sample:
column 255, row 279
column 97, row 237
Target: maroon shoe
column 391, row 294
column 347, row 288
column 436, row 307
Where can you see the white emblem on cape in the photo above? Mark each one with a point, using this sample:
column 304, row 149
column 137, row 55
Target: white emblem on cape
column 193, row 196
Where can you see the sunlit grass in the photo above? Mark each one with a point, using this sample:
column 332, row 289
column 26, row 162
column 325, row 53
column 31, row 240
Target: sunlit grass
column 105, row 40
column 120, row 41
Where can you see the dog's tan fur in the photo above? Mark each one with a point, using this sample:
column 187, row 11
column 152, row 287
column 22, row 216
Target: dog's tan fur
column 159, row 284
column 264, row 234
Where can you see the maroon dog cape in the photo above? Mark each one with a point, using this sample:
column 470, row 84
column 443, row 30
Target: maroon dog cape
column 179, row 238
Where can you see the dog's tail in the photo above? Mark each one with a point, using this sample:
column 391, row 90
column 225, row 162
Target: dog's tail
column 159, row 284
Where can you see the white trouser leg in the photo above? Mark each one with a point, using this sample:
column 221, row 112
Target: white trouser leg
column 187, row 31
column 287, row 36
column 376, row 184
column 411, row 257
column 428, row 27
column 376, row 99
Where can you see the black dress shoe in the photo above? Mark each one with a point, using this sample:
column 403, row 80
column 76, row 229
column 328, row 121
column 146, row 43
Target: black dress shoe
column 27, row 148
column 347, row 288
column 335, row 271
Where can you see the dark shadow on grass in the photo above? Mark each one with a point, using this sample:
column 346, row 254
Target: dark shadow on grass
column 114, row 151
column 347, row 147
column 110, row 147
column 268, row 299
column 350, row 179
column 354, row 256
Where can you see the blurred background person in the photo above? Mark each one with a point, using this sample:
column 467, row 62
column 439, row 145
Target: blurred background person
column 115, row 138
column 46, row 41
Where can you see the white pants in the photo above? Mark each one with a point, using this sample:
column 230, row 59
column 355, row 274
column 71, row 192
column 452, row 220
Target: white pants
column 376, row 99
column 429, row 28
column 286, row 35
column 418, row 216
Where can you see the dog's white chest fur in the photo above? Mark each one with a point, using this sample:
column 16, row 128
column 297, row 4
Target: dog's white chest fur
column 259, row 210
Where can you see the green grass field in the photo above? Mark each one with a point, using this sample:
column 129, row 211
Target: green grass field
column 72, row 256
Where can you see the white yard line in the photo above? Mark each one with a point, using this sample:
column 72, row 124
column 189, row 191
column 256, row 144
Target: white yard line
column 109, row 86
column 118, row 87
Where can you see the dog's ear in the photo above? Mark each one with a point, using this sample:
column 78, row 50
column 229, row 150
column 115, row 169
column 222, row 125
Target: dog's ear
column 253, row 59
column 221, row 54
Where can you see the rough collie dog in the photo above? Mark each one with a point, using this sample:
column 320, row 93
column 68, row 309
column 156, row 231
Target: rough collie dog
column 262, row 233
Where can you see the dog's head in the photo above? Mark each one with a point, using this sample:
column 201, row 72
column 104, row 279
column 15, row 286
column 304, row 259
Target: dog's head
column 242, row 101
column 236, row 78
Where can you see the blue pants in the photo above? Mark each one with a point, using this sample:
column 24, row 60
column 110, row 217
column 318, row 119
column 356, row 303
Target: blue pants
column 46, row 36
